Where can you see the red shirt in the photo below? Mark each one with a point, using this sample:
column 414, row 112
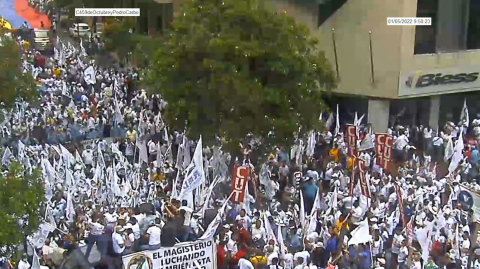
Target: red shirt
column 240, row 254
column 220, row 256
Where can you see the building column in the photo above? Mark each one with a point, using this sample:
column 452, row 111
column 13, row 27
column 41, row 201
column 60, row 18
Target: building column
column 434, row 114
column 378, row 113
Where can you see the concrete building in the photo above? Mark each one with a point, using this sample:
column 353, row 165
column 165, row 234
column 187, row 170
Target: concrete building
column 415, row 74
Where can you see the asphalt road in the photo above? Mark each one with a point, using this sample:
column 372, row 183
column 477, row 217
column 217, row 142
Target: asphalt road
column 94, row 255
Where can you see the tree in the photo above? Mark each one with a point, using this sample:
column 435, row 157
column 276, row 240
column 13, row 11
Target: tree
column 21, row 198
column 231, row 68
column 13, row 82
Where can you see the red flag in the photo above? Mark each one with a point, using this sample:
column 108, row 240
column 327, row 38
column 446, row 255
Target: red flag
column 351, row 138
column 400, row 205
column 239, row 182
column 352, row 177
column 383, row 150
column 362, row 170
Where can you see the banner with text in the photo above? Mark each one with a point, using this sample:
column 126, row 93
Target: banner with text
column 239, row 182
column 362, row 171
column 383, row 150
column 198, row 255
column 352, row 140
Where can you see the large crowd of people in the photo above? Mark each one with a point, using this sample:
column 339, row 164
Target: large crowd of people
column 113, row 172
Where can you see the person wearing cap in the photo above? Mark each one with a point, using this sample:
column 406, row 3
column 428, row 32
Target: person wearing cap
column 118, row 242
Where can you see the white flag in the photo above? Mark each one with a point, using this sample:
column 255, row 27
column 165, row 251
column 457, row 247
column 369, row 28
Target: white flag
column 424, row 239
column 89, row 75
column 268, row 228
column 212, row 227
column 337, row 125
column 361, row 234
column 464, row 117
column 311, row 144
column 280, row 242
column 458, row 153
column 118, row 116
column 449, row 150
column 142, row 150
column 194, row 175
column 302, row 210
column 7, row 157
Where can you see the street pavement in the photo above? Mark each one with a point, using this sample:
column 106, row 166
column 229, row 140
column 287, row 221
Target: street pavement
column 94, row 255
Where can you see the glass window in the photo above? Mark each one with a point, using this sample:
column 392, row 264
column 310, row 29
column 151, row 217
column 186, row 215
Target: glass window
column 473, row 32
column 425, row 36
column 41, row 34
column 327, row 8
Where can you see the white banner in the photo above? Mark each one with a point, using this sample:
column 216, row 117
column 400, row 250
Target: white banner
column 366, row 143
column 198, row 255
column 89, row 75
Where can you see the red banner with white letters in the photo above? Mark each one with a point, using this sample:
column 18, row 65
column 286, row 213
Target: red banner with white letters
column 362, row 171
column 351, row 138
column 352, row 177
column 383, row 151
column 239, row 183
column 400, row 205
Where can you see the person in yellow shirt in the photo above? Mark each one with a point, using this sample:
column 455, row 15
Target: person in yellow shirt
column 334, row 152
column 26, row 45
column 56, row 72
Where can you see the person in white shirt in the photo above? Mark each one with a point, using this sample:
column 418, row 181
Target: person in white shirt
column 243, row 219
column 152, row 150
column 402, row 256
column 288, row 261
column 300, row 263
column 304, row 256
column 153, row 235
column 258, row 232
column 245, row 264
column 274, row 264
column 111, row 218
column 88, row 157
column 95, row 236
column 118, row 241
column 129, row 239
column 186, row 212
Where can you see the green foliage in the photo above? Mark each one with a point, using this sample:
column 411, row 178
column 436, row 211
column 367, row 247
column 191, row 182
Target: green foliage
column 21, row 196
column 13, row 83
column 119, row 37
column 231, row 67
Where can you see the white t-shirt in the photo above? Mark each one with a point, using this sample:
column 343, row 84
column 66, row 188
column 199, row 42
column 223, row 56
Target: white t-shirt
column 87, row 156
column 188, row 215
column 117, row 240
column 245, row 264
column 155, row 233
column 403, row 254
column 136, row 231
column 111, row 218
column 288, row 261
column 152, row 147
column 304, row 254
column 397, row 239
column 23, row 265
column 244, row 221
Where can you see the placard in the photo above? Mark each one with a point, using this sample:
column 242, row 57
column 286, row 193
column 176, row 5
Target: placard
column 198, row 254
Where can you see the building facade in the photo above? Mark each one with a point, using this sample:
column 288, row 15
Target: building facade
column 398, row 74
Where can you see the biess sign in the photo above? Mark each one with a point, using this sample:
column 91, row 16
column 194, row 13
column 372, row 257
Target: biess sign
column 352, row 140
column 383, row 150
column 239, row 182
